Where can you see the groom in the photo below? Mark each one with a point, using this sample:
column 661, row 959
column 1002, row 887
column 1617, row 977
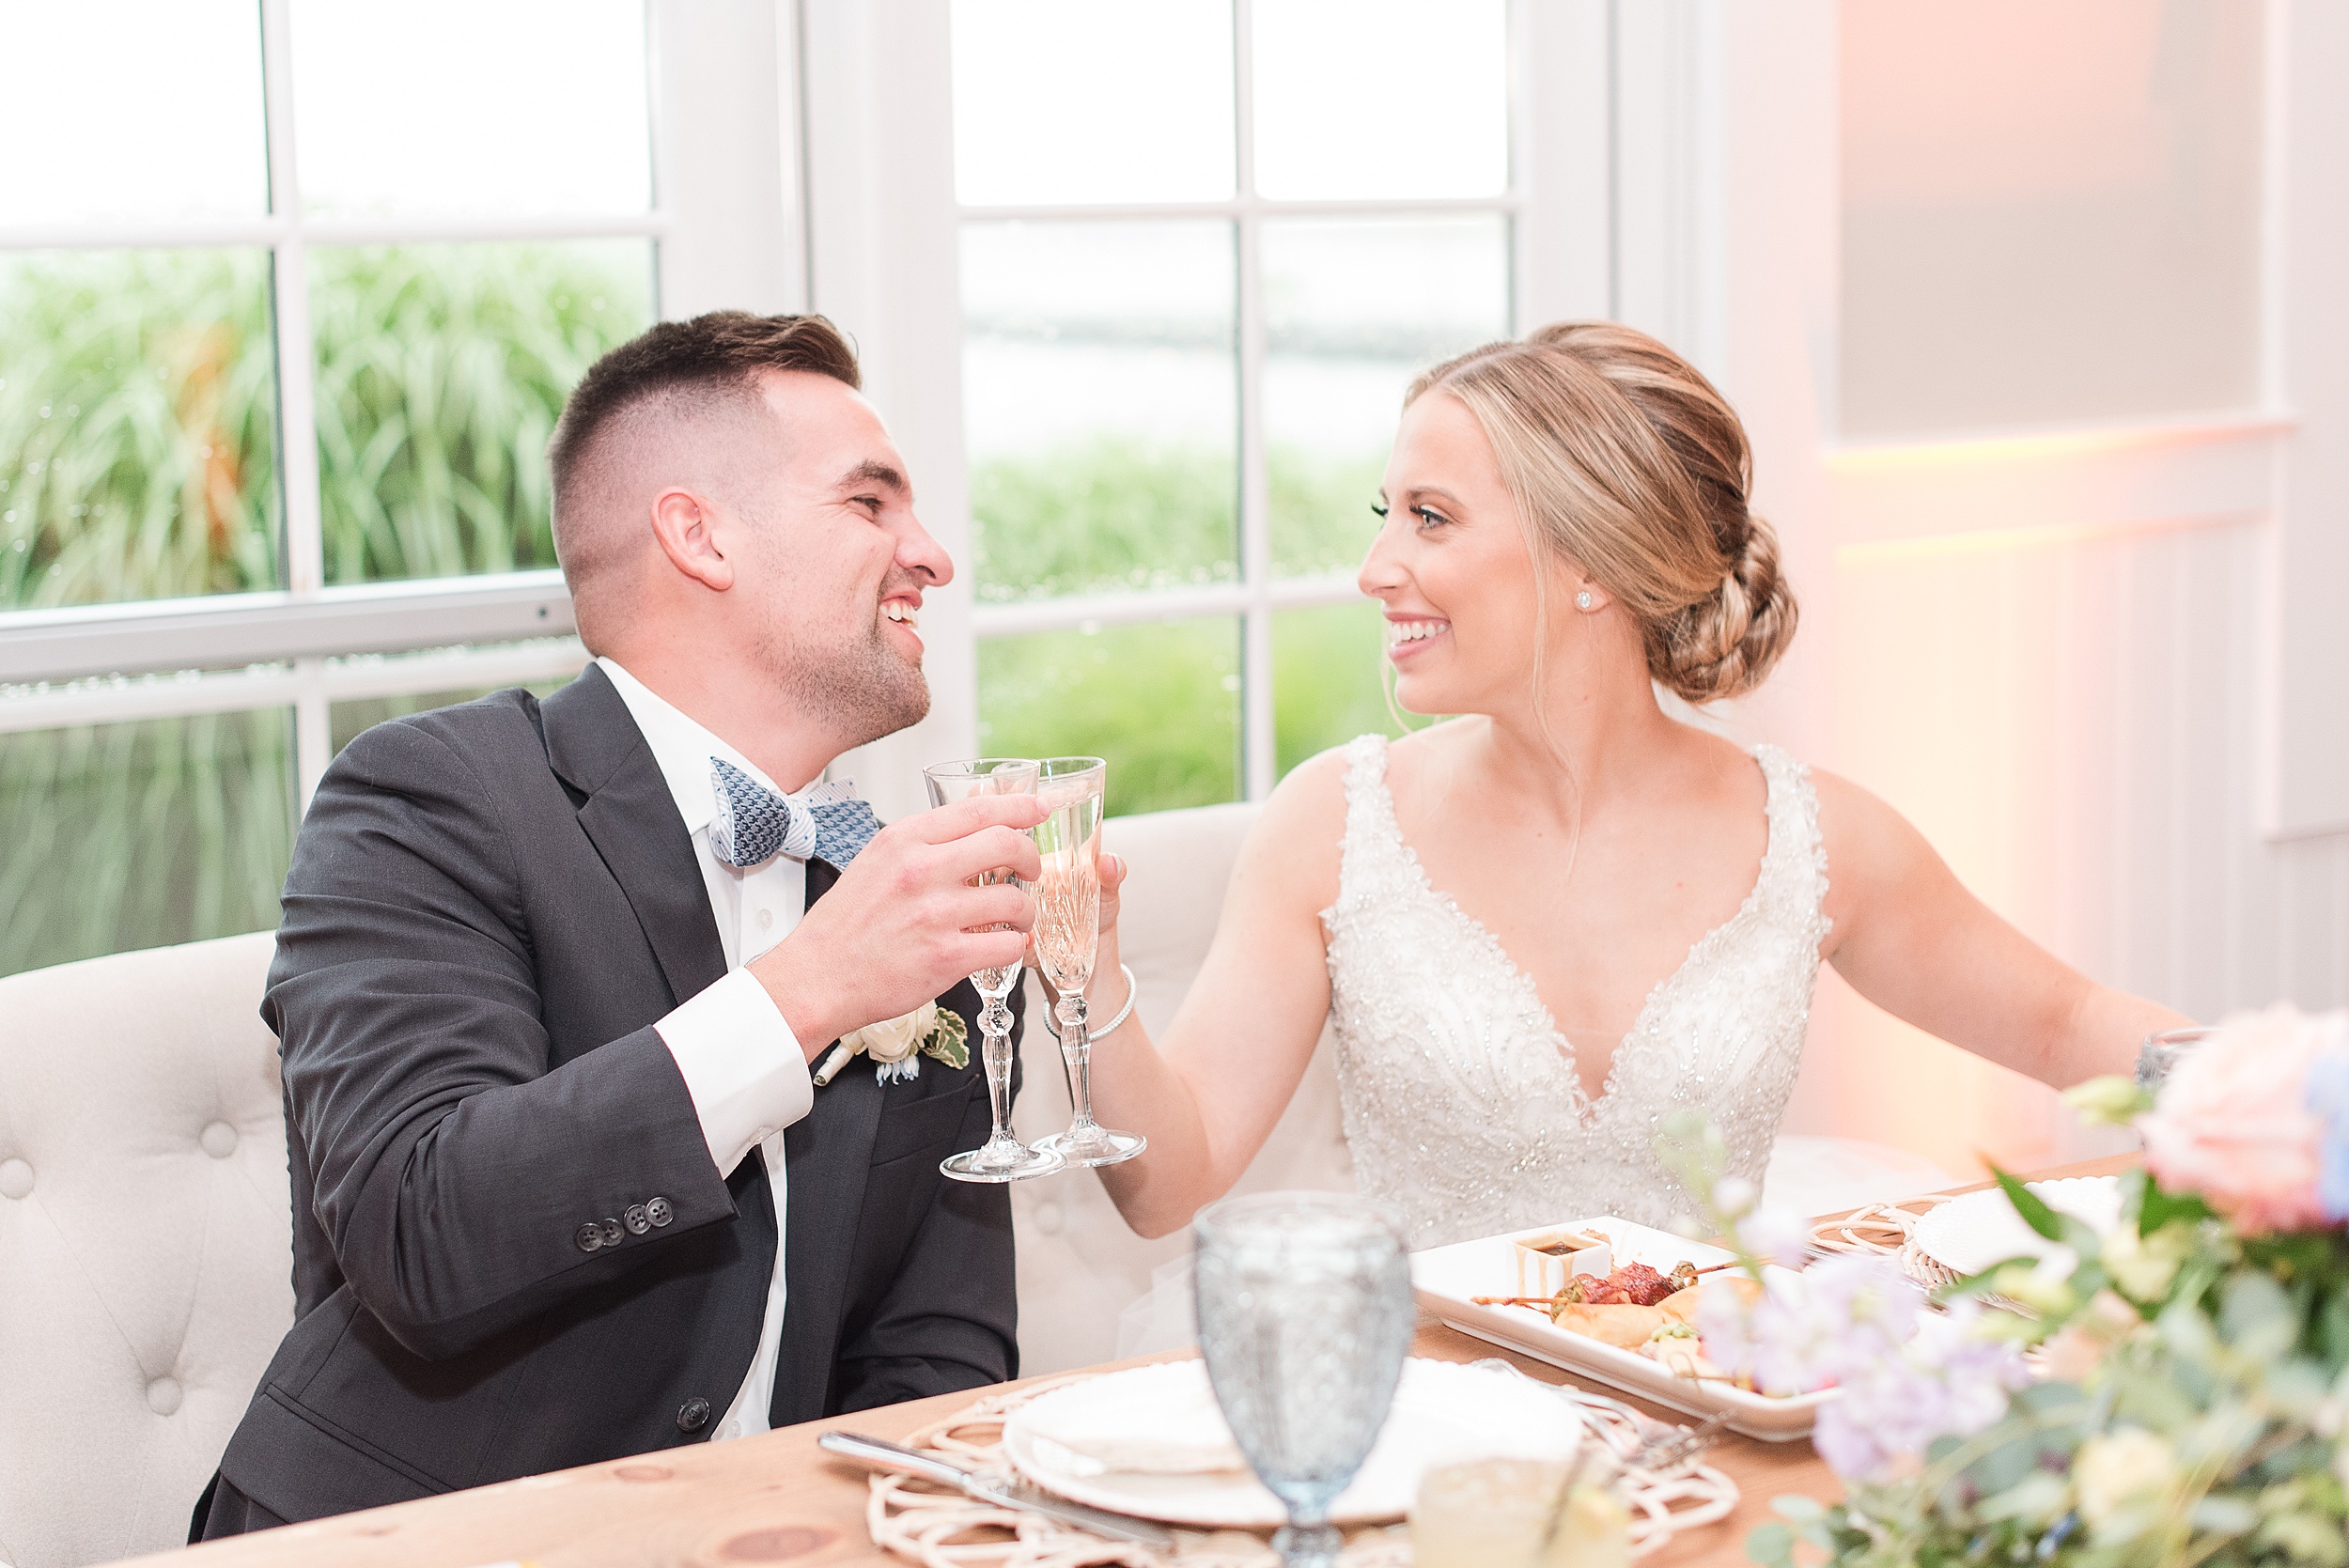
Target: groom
column 551, row 975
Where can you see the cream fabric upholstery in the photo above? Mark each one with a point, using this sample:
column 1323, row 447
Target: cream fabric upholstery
column 145, row 1252
column 1080, row 1267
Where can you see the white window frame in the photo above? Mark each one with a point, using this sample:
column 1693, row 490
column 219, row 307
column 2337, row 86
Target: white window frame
column 727, row 224
column 803, row 159
column 884, row 226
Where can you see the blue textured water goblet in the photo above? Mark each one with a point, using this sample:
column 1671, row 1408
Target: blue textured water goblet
column 1305, row 1317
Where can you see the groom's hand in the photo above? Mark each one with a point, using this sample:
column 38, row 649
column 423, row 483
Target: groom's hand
column 903, row 923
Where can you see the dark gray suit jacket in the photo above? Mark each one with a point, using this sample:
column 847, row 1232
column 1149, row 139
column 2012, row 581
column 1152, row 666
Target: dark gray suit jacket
column 489, row 907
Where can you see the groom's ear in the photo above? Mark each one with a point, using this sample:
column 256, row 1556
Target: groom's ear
column 687, row 526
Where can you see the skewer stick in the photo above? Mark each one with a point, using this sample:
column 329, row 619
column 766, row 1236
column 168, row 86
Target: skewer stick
column 1551, row 1300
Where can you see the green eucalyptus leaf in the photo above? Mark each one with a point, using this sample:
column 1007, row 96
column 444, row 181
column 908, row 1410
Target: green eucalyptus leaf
column 2306, row 1538
column 2034, row 1210
column 1771, row 1545
column 2112, row 1100
column 2226, row 1515
column 2160, row 1208
column 2038, row 1499
column 2256, row 1317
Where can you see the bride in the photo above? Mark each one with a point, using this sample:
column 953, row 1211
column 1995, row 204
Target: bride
column 1542, row 924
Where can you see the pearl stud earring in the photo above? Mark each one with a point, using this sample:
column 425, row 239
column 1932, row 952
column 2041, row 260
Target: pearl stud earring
column 1582, row 600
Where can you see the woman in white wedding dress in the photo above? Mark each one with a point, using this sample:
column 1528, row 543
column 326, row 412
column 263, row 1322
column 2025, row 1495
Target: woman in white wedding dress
column 1543, row 925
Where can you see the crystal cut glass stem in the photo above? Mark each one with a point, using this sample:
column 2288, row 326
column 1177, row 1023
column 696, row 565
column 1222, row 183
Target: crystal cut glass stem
column 1068, row 938
column 1003, row 1158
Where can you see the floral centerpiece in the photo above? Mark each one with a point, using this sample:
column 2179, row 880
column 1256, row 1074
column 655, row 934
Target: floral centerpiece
column 2175, row 1391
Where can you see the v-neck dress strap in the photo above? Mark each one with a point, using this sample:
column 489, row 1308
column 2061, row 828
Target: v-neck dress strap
column 1463, row 1106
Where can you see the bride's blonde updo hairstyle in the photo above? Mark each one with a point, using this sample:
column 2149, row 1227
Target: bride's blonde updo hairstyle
column 1626, row 461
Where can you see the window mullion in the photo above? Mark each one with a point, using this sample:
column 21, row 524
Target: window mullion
column 1258, row 750
column 297, row 423
column 314, row 732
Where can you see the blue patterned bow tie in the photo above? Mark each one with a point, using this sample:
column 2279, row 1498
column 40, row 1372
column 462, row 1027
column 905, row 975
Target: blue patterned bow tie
column 825, row 822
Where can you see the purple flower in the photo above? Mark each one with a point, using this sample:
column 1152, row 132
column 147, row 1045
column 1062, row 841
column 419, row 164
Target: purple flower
column 1775, row 1235
column 1810, row 1331
column 1947, row 1381
column 1904, row 1377
column 2329, row 1099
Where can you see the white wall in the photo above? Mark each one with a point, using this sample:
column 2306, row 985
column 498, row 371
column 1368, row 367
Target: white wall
column 2045, row 623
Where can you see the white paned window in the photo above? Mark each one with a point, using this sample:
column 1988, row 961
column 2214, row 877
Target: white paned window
column 1204, row 245
column 287, row 313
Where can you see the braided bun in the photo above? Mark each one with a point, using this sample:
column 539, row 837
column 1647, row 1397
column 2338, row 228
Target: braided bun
column 1725, row 644
column 1627, row 463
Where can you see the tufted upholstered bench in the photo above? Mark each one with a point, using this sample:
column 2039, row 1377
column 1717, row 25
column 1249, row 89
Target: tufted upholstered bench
column 145, row 1252
column 145, row 1238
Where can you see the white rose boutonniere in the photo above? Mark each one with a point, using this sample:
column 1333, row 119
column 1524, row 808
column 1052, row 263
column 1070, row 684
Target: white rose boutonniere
column 898, row 1044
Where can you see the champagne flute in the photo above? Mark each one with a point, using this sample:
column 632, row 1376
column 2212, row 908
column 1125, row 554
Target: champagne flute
column 1067, row 934
column 1305, row 1317
column 1001, row 1158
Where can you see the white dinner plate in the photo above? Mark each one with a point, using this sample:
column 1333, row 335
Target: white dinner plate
column 1448, row 1279
column 1968, row 1235
column 1443, row 1412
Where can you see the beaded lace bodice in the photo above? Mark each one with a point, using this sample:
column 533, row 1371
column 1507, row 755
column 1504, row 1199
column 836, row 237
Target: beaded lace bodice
column 1463, row 1106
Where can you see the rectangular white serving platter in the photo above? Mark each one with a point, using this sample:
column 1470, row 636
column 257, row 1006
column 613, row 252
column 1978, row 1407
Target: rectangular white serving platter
column 1446, row 1278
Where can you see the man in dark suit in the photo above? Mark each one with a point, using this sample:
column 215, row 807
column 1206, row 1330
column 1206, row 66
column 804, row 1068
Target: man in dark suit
column 551, row 974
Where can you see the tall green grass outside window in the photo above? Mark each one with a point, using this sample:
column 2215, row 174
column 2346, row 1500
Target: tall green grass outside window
column 138, row 427
column 141, row 834
column 1160, row 701
column 138, row 460
column 441, row 372
column 138, row 411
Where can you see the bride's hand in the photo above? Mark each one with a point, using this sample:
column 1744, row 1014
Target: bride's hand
column 1112, row 870
column 1113, row 879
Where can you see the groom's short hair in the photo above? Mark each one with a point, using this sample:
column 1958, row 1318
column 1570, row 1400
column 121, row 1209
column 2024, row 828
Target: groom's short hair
column 710, row 365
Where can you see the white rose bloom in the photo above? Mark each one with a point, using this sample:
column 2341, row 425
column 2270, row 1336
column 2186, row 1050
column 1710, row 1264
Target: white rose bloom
column 894, row 1039
column 2120, row 1468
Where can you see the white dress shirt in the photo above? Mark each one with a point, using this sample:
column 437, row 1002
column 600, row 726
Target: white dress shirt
column 740, row 1062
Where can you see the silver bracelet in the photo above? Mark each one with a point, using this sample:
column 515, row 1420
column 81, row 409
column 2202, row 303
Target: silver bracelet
column 1114, row 1024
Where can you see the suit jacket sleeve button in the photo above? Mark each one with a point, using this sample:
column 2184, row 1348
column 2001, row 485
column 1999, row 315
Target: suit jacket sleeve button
column 611, row 1232
column 658, row 1211
column 589, row 1236
column 636, row 1219
column 693, row 1415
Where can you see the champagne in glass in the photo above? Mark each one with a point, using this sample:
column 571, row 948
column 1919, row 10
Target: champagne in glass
column 1067, row 934
column 1305, row 1315
column 1001, row 1158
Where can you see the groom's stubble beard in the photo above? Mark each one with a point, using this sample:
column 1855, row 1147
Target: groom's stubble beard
column 859, row 692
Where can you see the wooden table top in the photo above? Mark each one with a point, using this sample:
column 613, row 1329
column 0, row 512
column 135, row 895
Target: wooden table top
column 776, row 1497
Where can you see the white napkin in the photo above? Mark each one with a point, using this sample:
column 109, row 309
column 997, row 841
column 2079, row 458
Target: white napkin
column 1183, row 1434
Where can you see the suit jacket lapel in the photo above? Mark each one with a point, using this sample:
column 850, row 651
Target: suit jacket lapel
column 629, row 814
column 826, row 1154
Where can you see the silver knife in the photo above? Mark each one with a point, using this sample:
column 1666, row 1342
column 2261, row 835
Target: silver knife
column 881, row 1455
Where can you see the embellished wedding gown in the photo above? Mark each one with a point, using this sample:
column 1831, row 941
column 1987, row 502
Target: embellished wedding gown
column 1463, row 1106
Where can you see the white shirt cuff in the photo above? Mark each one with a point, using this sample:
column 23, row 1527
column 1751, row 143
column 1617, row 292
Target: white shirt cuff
column 741, row 1064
